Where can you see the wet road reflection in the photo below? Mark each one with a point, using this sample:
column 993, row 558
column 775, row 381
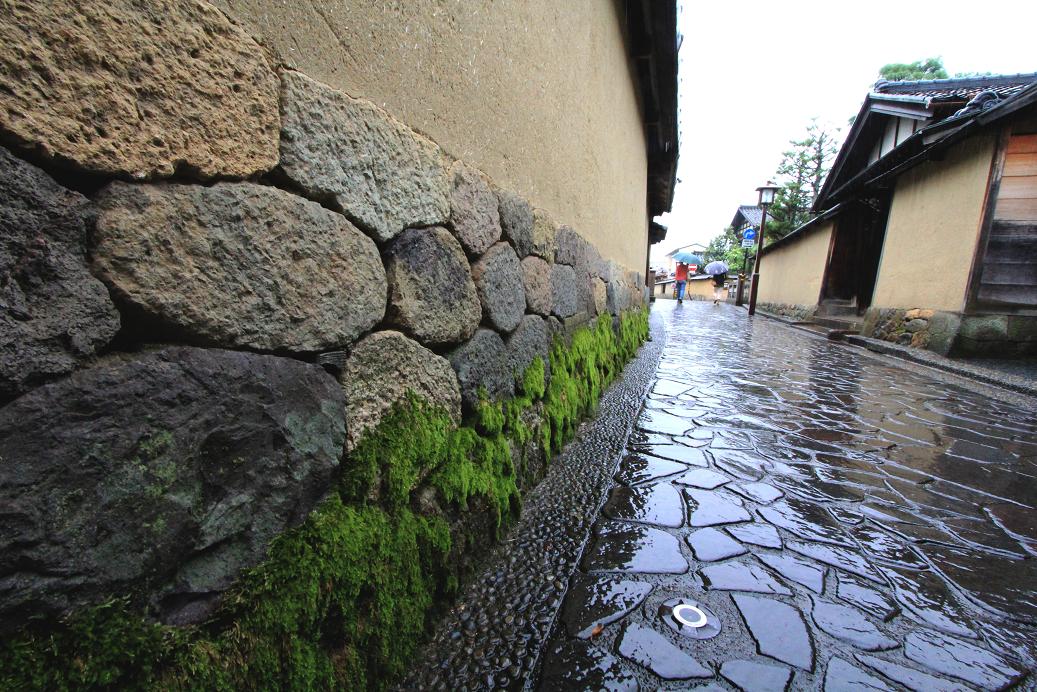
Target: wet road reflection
column 847, row 521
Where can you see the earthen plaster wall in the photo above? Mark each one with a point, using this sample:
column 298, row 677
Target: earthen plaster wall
column 535, row 93
column 792, row 275
column 936, row 213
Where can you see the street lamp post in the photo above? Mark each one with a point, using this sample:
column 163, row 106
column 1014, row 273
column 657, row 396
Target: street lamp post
column 766, row 197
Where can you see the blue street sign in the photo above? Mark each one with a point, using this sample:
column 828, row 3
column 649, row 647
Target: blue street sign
column 749, row 234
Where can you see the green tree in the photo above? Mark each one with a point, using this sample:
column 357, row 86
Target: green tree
column 930, row 68
column 725, row 247
column 800, row 174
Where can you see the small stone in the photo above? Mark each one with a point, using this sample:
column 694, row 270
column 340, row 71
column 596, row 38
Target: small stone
column 796, row 570
column 843, row 675
column 778, row 629
column 763, row 535
column 739, row 576
column 382, row 369
column 960, row 659
column 659, row 504
column 710, row 545
column 240, row 265
column 383, row 176
column 54, row 314
column 138, row 90
column 636, row 549
column 913, row 326
column 594, row 602
column 600, row 292
column 850, row 625
column 498, row 280
column 516, row 218
column 474, row 217
column 710, row 509
column 431, row 293
column 650, row 649
column 919, row 314
column 536, row 282
column 914, row 680
column 563, row 291
column 544, row 229
column 751, row 676
column 482, row 363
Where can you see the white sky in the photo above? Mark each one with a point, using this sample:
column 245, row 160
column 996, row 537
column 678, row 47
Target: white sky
column 752, row 74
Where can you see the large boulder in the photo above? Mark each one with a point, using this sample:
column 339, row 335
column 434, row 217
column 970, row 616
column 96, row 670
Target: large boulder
column 530, row 340
column 431, row 293
column 600, row 290
column 139, row 89
column 564, row 296
column 572, row 249
column 536, row 282
column 382, row 368
column 473, row 210
column 383, row 175
column 482, row 364
column 53, row 313
column 498, row 279
column 160, row 476
column 239, row 264
column 516, row 217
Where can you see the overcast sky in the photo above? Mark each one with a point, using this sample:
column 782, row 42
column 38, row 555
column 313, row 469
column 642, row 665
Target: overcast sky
column 753, row 74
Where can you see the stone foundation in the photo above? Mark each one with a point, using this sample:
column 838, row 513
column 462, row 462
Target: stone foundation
column 164, row 422
column 797, row 313
column 954, row 334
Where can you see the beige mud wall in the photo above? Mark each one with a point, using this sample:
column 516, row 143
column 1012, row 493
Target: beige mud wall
column 933, row 228
column 536, row 93
column 792, row 273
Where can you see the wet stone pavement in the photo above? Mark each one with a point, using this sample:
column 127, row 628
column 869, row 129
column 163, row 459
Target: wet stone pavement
column 792, row 513
column 785, row 513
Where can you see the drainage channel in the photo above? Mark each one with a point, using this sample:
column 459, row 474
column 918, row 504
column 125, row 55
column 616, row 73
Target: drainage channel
column 492, row 638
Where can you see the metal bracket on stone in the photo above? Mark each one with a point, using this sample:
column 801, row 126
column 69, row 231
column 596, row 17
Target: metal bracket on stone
column 332, row 360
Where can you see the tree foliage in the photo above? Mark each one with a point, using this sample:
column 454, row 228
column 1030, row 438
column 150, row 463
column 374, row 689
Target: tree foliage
column 800, row 174
column 929, row 68
column 726, row 247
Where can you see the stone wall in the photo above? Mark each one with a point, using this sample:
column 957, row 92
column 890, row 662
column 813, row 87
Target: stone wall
column 952, row 333
column 218, row 278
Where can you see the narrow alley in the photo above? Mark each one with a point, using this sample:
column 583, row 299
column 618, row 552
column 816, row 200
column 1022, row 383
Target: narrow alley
column 788, row 512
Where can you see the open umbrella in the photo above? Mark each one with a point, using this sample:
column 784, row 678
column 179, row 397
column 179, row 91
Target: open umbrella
column 716, row 267
column 687, row 258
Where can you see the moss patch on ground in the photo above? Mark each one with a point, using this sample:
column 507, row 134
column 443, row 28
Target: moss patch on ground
column 343, row 600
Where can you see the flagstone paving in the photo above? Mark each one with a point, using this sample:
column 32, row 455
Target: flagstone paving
column 836, row 520
column 847, row 523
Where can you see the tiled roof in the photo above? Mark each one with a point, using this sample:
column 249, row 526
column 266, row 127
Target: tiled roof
column 961, row 89
column 751, row 213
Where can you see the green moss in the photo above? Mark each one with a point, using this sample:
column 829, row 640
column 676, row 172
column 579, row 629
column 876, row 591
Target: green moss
column 343, row 600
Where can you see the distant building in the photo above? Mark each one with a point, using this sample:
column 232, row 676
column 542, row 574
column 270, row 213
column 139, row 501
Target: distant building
column 926, row 228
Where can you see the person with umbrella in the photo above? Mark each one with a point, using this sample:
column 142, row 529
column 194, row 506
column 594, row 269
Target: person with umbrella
column 718, row 270
column 680, row 277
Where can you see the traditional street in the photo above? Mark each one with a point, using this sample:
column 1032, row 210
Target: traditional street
column 788, row 511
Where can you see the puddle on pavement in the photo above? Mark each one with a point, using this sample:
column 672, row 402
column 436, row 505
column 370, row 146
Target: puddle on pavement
column 806, row 520
column 740, row 576
column 711, row 545
column 636, row 469
column 763, row 535
column 751, row 675
column 960, row 659
column 594, row 602
column 648, row 648
column 659, row 504
column 850, row 625
column 709, row 508
column 635, row 549
column 793, row 569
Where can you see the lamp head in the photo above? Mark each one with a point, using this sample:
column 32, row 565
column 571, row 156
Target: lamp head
column 767, row 193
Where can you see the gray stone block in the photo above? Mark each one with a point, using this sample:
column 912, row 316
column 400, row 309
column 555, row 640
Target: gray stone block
column 564, row 297
column 536, row 281
column 161, row 475
column 516, row 217
column 431, row 293
column 530, row 340
column 544, row 230
column 498, row 278
column 384, row 176
column 240, row 265
column 382, row 368
column 482, row 364
column 474, row 218
column 53, row 313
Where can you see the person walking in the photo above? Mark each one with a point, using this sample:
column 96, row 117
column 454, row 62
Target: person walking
column 681, row 279
column 718, row 270
column 718, row 287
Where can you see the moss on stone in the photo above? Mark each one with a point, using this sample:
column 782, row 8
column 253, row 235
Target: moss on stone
column 343, row 600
